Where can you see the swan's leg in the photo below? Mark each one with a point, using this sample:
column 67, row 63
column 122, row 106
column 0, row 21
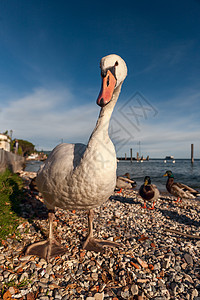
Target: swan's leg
column 96, row 245
column 50, row 247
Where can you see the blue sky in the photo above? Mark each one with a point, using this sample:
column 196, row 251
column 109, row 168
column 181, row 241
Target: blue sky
column 50, row 77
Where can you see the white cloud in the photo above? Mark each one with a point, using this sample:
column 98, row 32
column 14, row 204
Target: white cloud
column 169, row 132
column 47, row 116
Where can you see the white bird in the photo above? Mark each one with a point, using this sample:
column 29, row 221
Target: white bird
column 80, row 177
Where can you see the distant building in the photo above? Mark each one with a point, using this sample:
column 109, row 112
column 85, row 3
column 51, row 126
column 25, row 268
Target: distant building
column 4, row 142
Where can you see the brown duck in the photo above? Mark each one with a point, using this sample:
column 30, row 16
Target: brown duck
column 124, row 182
column 149, row 192
column 178, row 189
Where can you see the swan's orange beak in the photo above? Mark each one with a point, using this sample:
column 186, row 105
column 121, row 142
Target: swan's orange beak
column 107, row 89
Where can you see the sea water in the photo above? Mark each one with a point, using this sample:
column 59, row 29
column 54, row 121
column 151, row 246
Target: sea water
column 183, row 171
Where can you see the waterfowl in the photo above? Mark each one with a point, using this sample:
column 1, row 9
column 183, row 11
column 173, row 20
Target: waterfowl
column 131, row 180
column 149, row 192
column 125, row 182
column 179, row 190
column 80, row 177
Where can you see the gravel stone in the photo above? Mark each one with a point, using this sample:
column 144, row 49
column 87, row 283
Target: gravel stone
column 151, row 263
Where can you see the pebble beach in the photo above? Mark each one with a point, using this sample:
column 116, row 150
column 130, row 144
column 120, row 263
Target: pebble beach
column 159, row 256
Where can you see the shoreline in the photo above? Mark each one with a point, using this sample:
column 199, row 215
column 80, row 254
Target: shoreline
column 152, row 264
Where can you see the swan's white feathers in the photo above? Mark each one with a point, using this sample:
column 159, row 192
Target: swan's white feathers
column 79, row 177
column 84, row 185
column 121, row 69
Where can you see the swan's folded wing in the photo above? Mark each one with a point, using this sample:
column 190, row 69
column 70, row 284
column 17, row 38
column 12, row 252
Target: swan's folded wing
column 60, row 164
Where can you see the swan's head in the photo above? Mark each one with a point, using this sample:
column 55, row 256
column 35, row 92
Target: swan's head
column 113, row 73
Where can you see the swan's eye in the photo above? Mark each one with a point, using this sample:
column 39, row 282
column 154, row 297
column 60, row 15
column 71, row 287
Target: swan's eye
column 103, row 73
column 108, row 80
column 116, row 63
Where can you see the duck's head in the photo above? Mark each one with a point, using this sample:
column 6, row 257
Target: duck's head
column 147, row 180
column 169, row 174
column 127, row 175
column 113, row 73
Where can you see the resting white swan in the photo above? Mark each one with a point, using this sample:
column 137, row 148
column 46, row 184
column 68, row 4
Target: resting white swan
column 82, row 177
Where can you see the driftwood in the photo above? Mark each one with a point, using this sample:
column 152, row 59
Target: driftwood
column 184, row 234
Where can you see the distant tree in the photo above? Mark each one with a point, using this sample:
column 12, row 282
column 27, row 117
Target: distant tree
column 25, row 147
column 20, row 152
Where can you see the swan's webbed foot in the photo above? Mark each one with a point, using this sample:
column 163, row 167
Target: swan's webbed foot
column 93, row 244
column 49, row 248
column 46, row 249
column 96, row 245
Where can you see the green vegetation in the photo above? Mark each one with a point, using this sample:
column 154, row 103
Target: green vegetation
column 10, row 197
column 25, row 147
column 13, row 283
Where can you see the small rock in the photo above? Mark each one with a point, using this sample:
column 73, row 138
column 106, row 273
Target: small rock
column 125, row 294
column 117, row 214
column 184, row 266
column 99, row 296
column 24, row 258
column 12, row 277
column 189, row 259
column 42, row 284
column 102, row 287
column 194, row 294
column 189, row 278
column 12, row 290
column 2, row 257
column 93, row 269
column 6, row 274
column 134, row 289
column 23, row 276
column 94, row 276
column 30, row 296
column 167, row 262
column 142, row 263
column 141, row 280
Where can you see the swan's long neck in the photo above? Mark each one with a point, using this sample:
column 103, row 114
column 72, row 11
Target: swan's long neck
column 100, row 131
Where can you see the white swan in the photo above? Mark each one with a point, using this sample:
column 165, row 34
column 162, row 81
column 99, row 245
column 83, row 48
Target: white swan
column 76, row 176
